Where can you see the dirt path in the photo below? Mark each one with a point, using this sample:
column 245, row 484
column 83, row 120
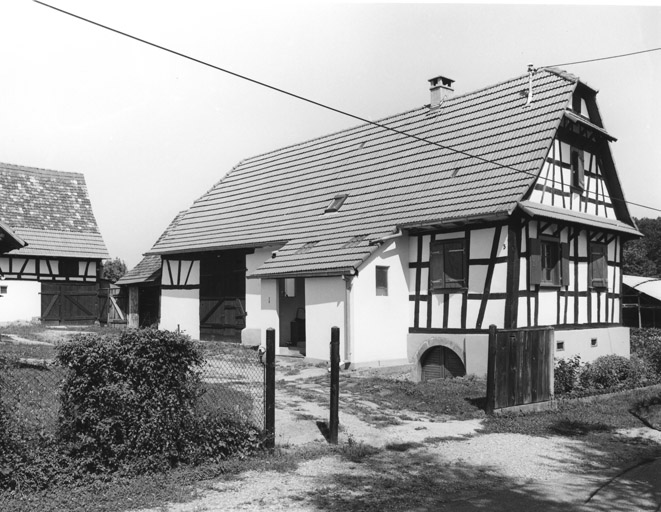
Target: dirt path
column 425, row 464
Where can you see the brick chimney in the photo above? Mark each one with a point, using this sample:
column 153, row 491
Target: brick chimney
column 441, row 89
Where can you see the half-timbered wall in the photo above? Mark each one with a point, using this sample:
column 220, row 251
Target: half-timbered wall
column 573, row 178
column 180, row 296
column 48, row 269
column 579, row 301
column 475, row 306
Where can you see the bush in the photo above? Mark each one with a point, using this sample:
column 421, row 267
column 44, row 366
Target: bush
column 131, row 402
column 646, row 344
column 565, row 374
column 606, row 372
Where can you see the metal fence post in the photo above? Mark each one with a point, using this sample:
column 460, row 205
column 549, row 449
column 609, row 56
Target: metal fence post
column 269, row 382
column 335, row 383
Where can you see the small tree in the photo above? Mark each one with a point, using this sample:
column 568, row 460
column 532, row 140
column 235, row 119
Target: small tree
column 113, row 269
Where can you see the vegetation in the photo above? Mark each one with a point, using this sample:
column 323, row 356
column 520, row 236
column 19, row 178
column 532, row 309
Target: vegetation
column 642, row 257
column 113, row 269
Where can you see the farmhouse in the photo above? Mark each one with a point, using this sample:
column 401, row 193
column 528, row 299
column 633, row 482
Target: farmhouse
column 414, row 234
column 51, row 271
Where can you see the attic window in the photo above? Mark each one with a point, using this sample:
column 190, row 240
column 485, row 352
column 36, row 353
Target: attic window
column 307, row 247
column 337, row 203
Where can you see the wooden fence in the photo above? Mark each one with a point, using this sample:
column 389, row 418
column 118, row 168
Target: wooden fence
column 520, row 369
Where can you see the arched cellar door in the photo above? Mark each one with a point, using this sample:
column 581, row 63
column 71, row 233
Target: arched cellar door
column 441, row 363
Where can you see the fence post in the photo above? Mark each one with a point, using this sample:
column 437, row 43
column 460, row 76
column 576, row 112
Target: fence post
column 335, row 384
column 269, row 382
column 491, row 370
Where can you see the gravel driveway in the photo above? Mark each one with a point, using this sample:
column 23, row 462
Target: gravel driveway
column 424, row 465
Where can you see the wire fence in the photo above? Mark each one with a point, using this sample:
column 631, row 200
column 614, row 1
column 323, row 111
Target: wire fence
column 31, row 380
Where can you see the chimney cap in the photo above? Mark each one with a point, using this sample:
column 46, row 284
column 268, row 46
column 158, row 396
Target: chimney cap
column 441, row 80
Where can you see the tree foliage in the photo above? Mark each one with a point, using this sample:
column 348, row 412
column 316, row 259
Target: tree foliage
column 113, row 269
column 642, row 257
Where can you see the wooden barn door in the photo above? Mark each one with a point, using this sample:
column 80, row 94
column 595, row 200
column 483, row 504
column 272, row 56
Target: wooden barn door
column 69, row 303
column 223, row 296
column 441, row 363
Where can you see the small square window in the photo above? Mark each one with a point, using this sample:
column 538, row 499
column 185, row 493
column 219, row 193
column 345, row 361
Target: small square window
column 593, row 342
column 337, row 203
column 560, row 345
column 382, row 280
column 3, row 290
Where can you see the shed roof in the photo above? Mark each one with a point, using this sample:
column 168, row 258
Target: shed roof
column 51, row 211
column 648, row 285
column 480, row 155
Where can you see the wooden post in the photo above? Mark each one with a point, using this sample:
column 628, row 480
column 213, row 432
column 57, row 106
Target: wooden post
column 491, row 370
column 269, row 383
column 133, row 320
column 335, row 384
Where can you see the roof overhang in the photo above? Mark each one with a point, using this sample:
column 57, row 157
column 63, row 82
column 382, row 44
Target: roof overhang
column 455, row 222
column 9, row 240
column 339, row 272
column 215, row 248
column 577, row 118
column 551, row 212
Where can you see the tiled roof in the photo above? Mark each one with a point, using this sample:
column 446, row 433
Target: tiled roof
column 391, row 180
column 149, row 268
column 51, row 211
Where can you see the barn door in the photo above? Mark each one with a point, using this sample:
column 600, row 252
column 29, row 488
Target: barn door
column 441, row 363
column 69, row 303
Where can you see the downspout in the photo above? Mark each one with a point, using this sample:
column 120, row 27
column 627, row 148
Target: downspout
column 348, row 281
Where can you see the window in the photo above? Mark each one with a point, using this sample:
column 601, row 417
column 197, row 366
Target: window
column 577, row 169
column 68, row 268
column 382, row 280
column 3, row 290
column 560, row 345
column 337, row 203
column 593, row 342
column 598, row 266
column 549, row 262
column 447, row 265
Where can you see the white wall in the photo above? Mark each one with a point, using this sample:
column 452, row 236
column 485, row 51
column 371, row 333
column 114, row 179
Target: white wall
column 380, row 323
column 609, row 340
column 324, row 308
column 21, row 302
column 181, row 309
column 261, row 301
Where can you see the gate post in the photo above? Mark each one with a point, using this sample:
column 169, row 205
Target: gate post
column 335, row 384
column 269, row 383
column 491, row 370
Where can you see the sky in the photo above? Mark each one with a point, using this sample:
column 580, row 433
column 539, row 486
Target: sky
column 152, row 132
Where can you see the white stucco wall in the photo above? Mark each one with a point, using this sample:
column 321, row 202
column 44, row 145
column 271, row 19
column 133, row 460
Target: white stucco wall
column 324, row 309
column 21, row 302
column 608, row 340
column 180, row 309
column 261, row 302
column 380, row 323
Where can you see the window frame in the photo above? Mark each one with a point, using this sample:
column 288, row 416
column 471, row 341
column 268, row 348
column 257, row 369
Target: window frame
column 598, row 267
column 577, row 164
column 445, row 282
column 559, row 273
column 381, row 285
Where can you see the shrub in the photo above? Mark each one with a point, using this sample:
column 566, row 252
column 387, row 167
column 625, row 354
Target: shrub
column 129, row 399
column 606, row 372
column 565, row 374
column 646, row 344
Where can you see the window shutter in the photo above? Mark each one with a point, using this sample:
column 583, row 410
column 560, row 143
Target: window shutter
column 578, row 169
column 454, row 265
column 535, row 261
column 564, row 269
column 598, row 266
column 436, row 266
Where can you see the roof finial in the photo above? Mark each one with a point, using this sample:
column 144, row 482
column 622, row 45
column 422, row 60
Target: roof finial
column 531, row 72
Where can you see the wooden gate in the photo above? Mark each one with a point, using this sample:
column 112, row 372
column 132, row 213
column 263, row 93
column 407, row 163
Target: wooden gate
column 520, row 368
column 69, row 303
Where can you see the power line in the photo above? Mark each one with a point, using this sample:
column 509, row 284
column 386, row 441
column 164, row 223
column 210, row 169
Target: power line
column 603, row 58
column 316, row 103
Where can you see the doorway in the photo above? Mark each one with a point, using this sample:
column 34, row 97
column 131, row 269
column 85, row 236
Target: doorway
column 291, row 313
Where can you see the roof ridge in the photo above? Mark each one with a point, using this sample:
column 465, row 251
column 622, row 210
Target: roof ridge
column 39, row 170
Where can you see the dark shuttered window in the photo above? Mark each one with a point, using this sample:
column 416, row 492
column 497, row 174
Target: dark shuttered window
column 598, row 266
column 577, row 168
column 447, row 265
column 549, row 262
